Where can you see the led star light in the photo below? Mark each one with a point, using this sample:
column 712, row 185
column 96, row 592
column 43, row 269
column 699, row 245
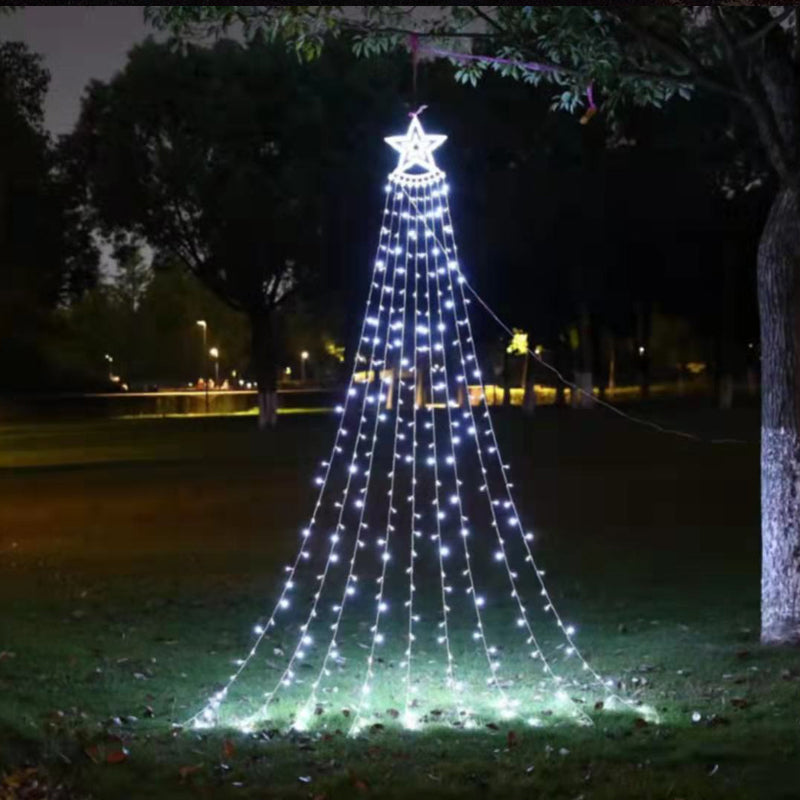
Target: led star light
column 414, row 597
column 416, row 148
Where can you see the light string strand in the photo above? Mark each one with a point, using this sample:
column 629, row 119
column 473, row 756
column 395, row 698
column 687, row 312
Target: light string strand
column 409, row 719
column 373, row 376
column 380, row 607
column 438, row 537
column 514, row 520
column 477, row 601
column 567, row 630
column 208, row 715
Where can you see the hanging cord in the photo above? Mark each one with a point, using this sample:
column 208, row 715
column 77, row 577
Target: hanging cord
column 575, row 388
column 413, row 46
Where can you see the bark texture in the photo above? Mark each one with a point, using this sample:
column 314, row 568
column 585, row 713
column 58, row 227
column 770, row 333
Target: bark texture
column 265, row 367
column 778, row 272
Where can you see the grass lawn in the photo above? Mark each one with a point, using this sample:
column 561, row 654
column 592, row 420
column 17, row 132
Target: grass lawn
column 135, row 557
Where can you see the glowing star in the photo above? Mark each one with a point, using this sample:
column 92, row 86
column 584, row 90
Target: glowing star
column 416, row 154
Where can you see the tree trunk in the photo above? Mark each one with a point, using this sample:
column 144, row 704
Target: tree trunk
column 528, row 387
column 612, row 364
column 584, row 374
column 725, row 392
column 778, row 296
column 727, row 330
column 422, row 388
column 265, row 366
column 643, row 349
column 558, row 355
column 506, row 380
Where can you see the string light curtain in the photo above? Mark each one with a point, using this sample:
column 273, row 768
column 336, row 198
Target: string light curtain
column 414, row 597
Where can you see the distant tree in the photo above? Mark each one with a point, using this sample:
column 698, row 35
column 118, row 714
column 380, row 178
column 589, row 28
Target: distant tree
column 220, row 159
column 747, row 55
column 133, row 276
column 146, row 319
column 46, row 252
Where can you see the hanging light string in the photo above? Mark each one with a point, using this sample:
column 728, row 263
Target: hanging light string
column 373, row 376
column 380, row 605
column 455, row 500
column 590, row 395
column 207, row 716
column 434, row 462
column 423, row 321
column 450, row 254
column 567, row 631
column 442, row 549
column 413, row 237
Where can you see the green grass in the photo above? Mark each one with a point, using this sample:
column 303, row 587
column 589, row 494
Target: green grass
column 135, row 557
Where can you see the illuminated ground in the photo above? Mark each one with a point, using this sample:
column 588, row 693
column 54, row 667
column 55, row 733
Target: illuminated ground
column 135, row 557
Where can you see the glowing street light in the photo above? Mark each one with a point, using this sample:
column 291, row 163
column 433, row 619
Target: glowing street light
column 214, row 353
column 303, row 358
column 204, row 327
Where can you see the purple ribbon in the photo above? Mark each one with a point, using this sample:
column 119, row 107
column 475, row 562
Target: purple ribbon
column 532, row 65
column 535, row 66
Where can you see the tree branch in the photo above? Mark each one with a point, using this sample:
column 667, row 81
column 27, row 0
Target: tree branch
column 760, row 34
column 694, row 69
column 765, row 122
column 365, row 27
column 487, row 18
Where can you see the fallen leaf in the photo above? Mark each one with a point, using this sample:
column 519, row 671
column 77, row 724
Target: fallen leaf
column 117, row 756
column 304, row 778
column 640, row 723
column 511, row 739
column 228, row 749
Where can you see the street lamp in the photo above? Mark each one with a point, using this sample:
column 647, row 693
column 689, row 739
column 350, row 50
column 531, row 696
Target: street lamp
column 110, row 361
column 303, row 359
column 204, row 326
column 214, row 353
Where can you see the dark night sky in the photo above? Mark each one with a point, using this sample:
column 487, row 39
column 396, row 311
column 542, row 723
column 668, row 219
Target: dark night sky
column 78, row 43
